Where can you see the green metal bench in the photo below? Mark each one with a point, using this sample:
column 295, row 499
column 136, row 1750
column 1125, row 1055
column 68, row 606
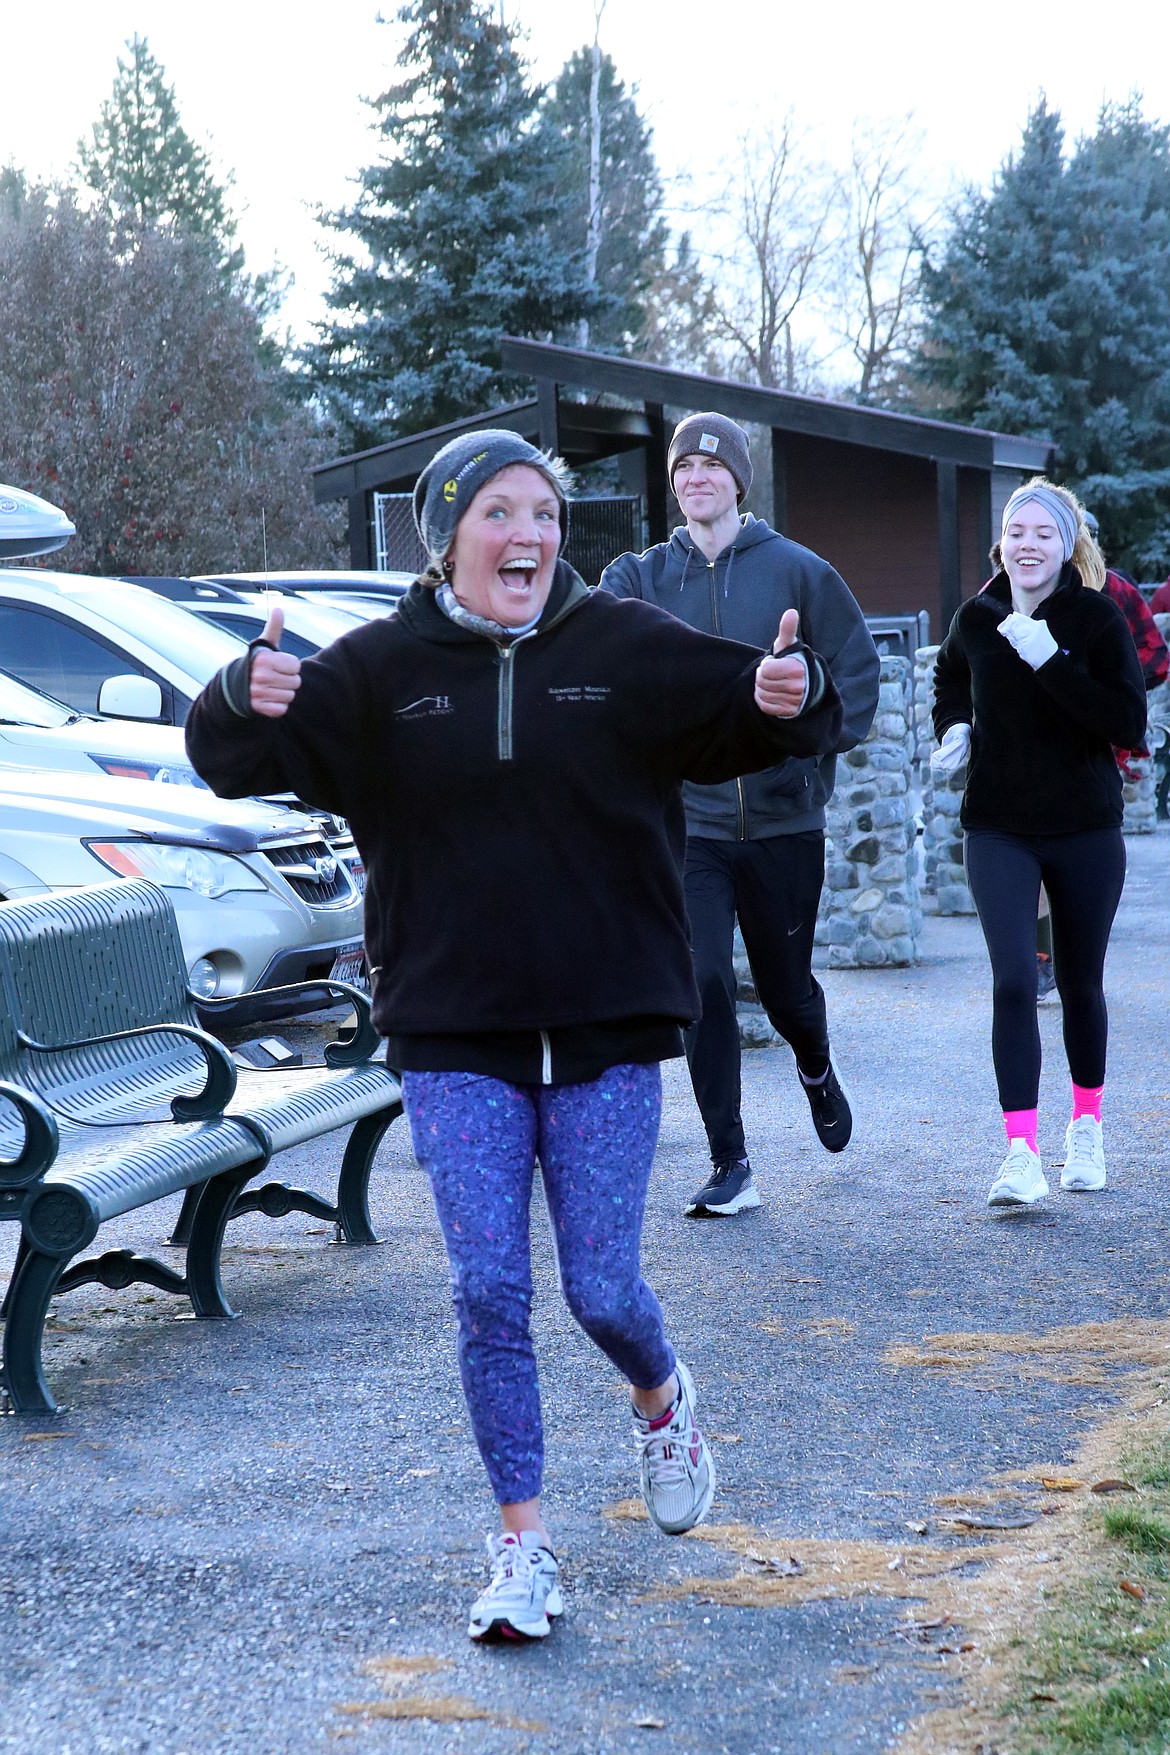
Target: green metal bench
column 111, row 1097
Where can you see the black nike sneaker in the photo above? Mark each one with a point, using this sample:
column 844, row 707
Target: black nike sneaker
column 832, row 1116
column 729, row 1190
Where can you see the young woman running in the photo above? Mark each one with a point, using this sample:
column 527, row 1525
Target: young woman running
column 509, row 749
column 1035, row 683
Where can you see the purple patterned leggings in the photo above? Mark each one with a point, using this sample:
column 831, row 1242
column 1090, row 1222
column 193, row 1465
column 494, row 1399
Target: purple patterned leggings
column 478, row 1139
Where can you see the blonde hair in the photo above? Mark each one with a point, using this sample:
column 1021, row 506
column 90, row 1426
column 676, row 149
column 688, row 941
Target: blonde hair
column 1086, row 555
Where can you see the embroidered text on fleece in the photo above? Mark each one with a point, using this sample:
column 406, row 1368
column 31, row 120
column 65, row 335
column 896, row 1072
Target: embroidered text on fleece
column 517, row 804
column 741, row 596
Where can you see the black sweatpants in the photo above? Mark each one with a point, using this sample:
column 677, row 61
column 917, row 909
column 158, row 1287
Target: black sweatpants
column 1083, row 874
column 774, row 887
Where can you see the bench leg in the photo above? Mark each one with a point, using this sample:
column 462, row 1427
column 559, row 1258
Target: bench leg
column 353, row 1183
column 212, row 1212
column 33, row 1285
column 181, row 1235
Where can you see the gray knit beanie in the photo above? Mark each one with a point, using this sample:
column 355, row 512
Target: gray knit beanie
column 455, row 475
column 712, row 435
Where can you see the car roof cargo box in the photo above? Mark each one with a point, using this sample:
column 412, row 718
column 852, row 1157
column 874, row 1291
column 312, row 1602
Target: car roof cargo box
column 30, row 526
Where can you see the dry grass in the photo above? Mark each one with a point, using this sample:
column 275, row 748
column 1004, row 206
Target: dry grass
column 386, row 1669
column 1085, row 1353
column 803, row 1569
column 440, row 1709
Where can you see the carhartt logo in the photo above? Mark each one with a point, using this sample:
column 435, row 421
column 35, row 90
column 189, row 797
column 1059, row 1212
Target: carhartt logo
column 426, row 707
column 709, row 442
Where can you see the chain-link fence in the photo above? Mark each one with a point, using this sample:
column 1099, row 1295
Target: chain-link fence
column 598, row 530
column 397, row 548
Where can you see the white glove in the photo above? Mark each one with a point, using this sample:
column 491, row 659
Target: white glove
column 952, row 752
column 1031, row 639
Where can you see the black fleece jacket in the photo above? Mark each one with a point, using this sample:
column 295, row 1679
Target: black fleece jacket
column 516, row 803
column 1041, row 741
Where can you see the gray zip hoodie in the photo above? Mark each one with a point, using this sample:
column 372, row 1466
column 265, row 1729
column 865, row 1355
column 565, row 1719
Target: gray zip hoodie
column 742, row 595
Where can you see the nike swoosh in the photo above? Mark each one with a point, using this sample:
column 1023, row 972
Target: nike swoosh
column 793, row 930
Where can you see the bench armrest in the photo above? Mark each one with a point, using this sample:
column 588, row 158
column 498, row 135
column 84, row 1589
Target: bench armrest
column 41, row 1139
column 352, row 1050
column 204, row 1105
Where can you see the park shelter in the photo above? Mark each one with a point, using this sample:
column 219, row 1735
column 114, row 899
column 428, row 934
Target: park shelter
column 904, row 508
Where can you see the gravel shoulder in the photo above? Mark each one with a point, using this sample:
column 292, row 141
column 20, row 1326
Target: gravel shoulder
column 263, row 1536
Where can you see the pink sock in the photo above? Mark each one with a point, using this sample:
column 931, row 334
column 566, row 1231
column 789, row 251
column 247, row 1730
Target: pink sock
column 1020, row 1124
column 1087, row 1101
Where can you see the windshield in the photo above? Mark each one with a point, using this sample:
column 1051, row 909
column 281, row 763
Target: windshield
column 187, row 642
column 23, row 706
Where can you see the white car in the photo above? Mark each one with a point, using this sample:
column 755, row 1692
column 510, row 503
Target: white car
column 368, row 595
column 103, row 646
column 261, row 899
column 307, row 626
column 36, row 731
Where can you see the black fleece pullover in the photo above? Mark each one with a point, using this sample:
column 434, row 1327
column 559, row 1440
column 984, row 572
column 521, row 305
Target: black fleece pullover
column 1041, row 757
column 517, row 806
column 741, row 595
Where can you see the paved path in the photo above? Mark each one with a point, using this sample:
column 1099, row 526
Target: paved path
column 237, row 1532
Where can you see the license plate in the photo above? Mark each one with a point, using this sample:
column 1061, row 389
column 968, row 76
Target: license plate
column 357, row 872
column 350, row 965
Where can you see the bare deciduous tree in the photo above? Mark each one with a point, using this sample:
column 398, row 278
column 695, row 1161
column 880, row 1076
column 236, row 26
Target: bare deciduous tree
column 872, row 296
column 783, row 213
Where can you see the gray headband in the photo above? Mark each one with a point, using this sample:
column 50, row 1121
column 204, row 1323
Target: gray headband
column 1063, row 516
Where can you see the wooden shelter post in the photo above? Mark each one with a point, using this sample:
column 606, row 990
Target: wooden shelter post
column 656, row 483
column 779, row 482
column 950, row 584
column 361, row 549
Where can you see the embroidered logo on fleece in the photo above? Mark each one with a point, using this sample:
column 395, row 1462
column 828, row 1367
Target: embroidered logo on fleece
column 426, row 707
column 582, row 692
column 709, row 442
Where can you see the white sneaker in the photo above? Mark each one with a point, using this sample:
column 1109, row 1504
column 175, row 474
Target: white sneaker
column 523, row 1597
column 1084, row 1156
column 677, row 1468
column 1020, row 1182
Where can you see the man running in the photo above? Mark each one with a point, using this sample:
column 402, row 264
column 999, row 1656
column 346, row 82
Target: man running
column 755, row 846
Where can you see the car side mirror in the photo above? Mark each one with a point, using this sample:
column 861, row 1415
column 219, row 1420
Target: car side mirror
column 130, row 697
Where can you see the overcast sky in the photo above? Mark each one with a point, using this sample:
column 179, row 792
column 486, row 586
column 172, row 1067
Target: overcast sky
column 275, row 89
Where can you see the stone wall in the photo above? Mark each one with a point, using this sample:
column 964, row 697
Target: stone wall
column 943, row 878
column 871, row 912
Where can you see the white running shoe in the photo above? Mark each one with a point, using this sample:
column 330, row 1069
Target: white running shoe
column 677, row 1468
column 1020, row 1182
column 523, row 1597
column 1084, row 1156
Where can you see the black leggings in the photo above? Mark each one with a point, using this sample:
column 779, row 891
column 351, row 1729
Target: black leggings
column 1083, row 874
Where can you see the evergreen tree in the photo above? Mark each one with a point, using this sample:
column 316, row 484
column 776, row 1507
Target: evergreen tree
column 1048, row 312
column 143, row 164
column 455, row 225
column 631, row 233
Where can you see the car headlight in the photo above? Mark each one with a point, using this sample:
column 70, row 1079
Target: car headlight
column 176, row 773
column 177, row 868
